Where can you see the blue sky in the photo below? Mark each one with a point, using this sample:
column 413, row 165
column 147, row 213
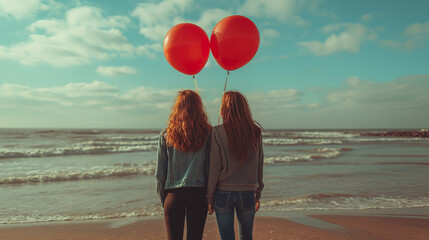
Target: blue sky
column 320, row 64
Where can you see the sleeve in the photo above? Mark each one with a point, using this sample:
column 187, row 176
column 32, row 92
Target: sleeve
column 207, row 159
column 161, row 168
column 260, row 171
column 215, row 167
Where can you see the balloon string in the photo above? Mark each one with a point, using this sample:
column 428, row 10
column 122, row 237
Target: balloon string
column 226, row 80
column 224, row 89
column 195, row 81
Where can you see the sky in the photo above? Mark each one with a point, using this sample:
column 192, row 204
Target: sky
column 320, row 64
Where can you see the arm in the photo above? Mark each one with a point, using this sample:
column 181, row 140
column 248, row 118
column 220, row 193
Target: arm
column 161, row 168
column 207, row 160
column 215, row 167
column 260, row 171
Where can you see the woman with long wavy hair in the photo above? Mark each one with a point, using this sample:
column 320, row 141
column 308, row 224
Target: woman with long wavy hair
column 236, row 164
column 182, row 166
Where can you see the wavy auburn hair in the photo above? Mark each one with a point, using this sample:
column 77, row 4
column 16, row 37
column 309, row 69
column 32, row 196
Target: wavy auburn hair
column 243, row 132
column 188, row 126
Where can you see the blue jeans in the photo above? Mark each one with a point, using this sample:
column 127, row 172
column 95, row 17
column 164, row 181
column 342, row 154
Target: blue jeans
column 244, row 204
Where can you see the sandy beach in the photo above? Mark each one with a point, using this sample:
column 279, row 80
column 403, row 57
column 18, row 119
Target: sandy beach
column 348, row 227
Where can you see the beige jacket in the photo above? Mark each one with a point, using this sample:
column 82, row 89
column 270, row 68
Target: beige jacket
column 226, row 173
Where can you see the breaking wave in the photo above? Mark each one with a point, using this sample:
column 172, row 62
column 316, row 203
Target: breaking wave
column 299, row 141
column 118, row 170
column 328, row 201
column 314, row 140
column 90, row 147
column 151, row 210
column 307, row 156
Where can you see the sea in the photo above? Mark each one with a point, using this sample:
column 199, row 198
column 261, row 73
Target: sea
column 54, row 175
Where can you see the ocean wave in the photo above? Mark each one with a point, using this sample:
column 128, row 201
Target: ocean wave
column 398, row 155
column 117, row 170
column 313, row 140
column 309, row 134
column 151, row 210
column 316, row 134
column 119, row 144
column 133, row 138
column 300, row 141
column 340, row 201
column 85, row 132
column 387, row 139
column 47, row 131
column 91, row 147
column 308, row 156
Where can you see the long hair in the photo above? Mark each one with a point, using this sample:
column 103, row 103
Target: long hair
column 243, row 132
column 188, row 126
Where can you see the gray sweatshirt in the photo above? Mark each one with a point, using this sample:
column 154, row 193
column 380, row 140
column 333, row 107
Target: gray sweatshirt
column 226, row 173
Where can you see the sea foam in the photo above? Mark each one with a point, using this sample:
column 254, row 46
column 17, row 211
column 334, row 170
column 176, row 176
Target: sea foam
column 117, row 170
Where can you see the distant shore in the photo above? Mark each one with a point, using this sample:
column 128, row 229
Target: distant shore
column 394, row 227
column 423, row 133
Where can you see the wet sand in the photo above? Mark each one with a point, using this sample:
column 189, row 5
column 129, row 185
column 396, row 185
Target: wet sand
column 376, row 227
column 349, row 227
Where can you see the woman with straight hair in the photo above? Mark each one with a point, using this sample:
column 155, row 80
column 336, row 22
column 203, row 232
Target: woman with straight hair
column 182, row 165
column 236, row 164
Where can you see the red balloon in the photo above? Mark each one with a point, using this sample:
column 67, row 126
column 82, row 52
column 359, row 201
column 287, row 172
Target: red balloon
column 187, row 48
column 234, row 42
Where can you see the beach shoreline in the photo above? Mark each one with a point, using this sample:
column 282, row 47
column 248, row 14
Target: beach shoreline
column 333, row 225
column 319, row 185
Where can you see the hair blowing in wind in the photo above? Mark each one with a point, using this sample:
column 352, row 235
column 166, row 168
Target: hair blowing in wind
column 243, row 132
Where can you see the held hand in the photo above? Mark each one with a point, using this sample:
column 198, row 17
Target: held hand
column 257, row 205
column 211, row 209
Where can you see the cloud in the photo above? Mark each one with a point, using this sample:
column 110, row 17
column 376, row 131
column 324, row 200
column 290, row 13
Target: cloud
column 84, row 95
column 401, row 103
column 210, row 17
column 357, row 103
column 366, row 17
column 162, row 12
column 84, row 105
column 417, row 29
column 72, row 94
column 405, row 92
column 315, row 9
column 116, row 71
column 23, row 8
column 282, row 98
column 415, row 35
column 402, row 45
column 265, row 104
column 150, row 50
column 92, row 18
column 83, row 36
column 157, row 18
column 283, row 11
column 268, row 34
column 348, row 38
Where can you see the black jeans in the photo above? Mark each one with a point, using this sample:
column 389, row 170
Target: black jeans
column 189, row 202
